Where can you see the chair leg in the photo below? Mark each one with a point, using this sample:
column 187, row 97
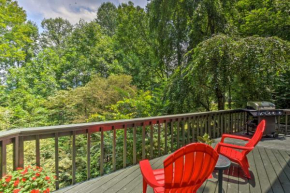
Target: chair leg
column 144, row 186
column 245, row 168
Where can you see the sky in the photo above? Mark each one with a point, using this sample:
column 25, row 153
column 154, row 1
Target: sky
column 72, row 10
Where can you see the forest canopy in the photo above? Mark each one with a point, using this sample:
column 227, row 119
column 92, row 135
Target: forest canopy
column 171, row 57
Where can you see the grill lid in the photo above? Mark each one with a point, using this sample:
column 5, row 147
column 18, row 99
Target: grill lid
column 260, row 105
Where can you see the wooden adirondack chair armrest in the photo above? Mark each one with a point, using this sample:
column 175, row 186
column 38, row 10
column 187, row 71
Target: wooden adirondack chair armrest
column 233, row 137
column 148, row 175
column 234, row 146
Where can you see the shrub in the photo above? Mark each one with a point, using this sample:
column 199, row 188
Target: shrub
column 205, row 139
column 32, row 179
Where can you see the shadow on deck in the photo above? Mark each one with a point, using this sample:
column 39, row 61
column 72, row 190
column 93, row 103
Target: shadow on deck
column 269, row 166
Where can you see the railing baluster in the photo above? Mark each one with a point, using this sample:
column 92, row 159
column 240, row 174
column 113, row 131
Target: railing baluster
column 134, row 145
column 286, row 125
column 74, row 158
column 159, row 141
column 231, row 123
column 177, row 130
column 15, row 152
column 3, row 158
column 102, row 153
column 21, row 152
column 214, row 133
column 88, row 154
column 197, row 126
column 193, row 129
column 188, row 123
column 56, row 160
column 114, row 149
column 218, row 125
column 222, row 127
column 125, row 147
column 183, row 132
column 37, row 152
column 165, row 125
column 151, row 140
column 208, row 125
column 143, row 141
column 240, row 121
column 279, row 118
column 171, row 130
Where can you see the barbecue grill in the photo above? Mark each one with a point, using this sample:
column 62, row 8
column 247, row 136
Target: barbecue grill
column 260, row 110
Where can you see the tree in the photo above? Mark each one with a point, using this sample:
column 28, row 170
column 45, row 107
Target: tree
column 263, row 18
column 55, row 32
column 235, row 69
column 89, row 52
column 133, row 47
column 15, row 35
column 107, row 18
column 179, row 26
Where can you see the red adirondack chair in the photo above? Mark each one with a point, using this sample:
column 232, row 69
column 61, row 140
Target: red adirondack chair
column 240, row 157
column 184, row 171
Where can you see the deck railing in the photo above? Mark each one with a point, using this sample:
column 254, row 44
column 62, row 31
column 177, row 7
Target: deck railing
column 149, row 138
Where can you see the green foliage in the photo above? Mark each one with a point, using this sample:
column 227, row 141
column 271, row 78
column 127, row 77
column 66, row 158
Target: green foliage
column 263, row 18
column 29, row 179
column 15, row 34
column 107, row 18
column 77, row 105
column 205, row 139
column 230, row 69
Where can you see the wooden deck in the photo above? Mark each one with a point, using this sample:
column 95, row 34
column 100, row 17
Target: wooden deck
column 270, row 170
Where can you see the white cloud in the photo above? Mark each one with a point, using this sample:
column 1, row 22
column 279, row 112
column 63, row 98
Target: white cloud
column 72, row 10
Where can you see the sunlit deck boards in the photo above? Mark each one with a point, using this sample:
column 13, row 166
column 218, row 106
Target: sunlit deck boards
column 270, row 169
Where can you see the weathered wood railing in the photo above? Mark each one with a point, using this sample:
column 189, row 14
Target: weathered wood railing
column 155, row 136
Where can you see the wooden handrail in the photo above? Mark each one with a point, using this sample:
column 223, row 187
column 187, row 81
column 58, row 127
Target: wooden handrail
column 178, row 131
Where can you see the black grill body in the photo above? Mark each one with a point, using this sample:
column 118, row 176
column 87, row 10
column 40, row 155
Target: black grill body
column 262, row 110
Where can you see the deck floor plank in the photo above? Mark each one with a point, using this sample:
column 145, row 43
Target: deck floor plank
column 275, row 183
column 233, row 178
column 261, row 171
column 254, row 182
column 139, row 185
column 280, row 171
column 270, row 170
column 244, row 185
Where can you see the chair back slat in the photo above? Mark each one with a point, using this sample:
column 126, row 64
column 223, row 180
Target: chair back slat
column 257, row 136
column 189, row 167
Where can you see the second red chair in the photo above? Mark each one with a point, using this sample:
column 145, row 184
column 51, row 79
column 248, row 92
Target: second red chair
column 238, row 153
